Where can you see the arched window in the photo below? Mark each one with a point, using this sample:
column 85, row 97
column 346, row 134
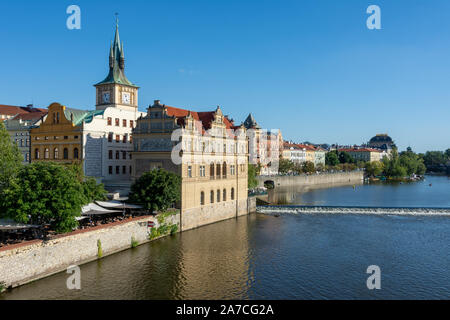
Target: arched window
column 211, row 200
column 46, row 153
column 232, row 193
column 202, row 198
column 218, row 171
column 224, row 196
column 224, row 170
column 218, row 195
column 211, row 170
column 75, row 153
column 21, row 142
column 56, row 154
column 66, row 153
column 36, row 153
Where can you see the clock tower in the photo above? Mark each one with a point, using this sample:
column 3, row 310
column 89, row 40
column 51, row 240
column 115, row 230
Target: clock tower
column 116, row 90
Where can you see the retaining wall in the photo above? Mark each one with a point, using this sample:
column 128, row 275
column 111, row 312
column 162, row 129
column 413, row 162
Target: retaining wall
column 314, row 179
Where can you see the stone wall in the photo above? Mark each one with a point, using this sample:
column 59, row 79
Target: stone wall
column 314, row 179
column 36, row 259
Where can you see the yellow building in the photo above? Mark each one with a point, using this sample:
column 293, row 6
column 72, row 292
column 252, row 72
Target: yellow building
column 363, row 154
column 59, row 137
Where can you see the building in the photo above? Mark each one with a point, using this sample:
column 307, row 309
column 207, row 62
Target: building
column 382, row 142
column 319, row 156
column 19, row 128
column 99, row 139
column 264, row 146
column 363, row 154
column 294, row 152
column 206, row 150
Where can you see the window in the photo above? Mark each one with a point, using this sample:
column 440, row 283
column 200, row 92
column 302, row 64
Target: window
column 124, row 123
column 56, row 154
column 46, row 153
column 66, row 137
column 36, row 153
column 218, row 171
column 131, row 169
column 117, row 137
column 27, row 157
column 110, row 169
column 66, row 154
column 124, row 140
column 124, row 155
column 202, row 198
column 117, row 122
column 21, row 142
column 110, row 137
column 117, row 155
column 130, row 155
column 211, row 170
column 124, row 169
column 211, row 198
column 131, row 139
column 131, row 123
column 218, row 195
column 75, row 153
column 117, row 169
column 202, row 171
column 110, row 156
column 75, row 137
column 232, row 193
column 190, row 171
column 46, row 138
column 224, row 170
column 232, row 170
column 109, row 121
column 224, row 196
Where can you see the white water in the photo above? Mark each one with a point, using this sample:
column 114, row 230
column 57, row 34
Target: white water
column 273, row 210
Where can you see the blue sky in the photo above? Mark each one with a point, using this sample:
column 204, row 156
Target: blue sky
column 311, row 68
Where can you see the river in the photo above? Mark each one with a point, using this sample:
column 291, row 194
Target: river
column 302, row 256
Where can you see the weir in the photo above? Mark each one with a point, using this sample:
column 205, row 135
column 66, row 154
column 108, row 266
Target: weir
column 276, row 210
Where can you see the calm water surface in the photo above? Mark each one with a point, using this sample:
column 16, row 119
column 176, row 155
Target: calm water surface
column 289, row 257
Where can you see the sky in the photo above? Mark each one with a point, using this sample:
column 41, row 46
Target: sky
column 309, row 67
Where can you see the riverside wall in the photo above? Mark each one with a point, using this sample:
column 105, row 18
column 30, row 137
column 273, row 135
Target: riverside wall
column 32, row 260
column 313, row 179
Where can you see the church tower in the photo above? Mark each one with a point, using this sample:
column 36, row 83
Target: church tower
column 116, row 90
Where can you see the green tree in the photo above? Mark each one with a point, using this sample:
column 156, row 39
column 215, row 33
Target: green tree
column 374, row 168
column 308, row 166
column 331, row 159
column 156, row 190
column 285, row 166
column 93, row 191
column 10, row 158
column 345, row 157
column 45, row 193
column 252, row 173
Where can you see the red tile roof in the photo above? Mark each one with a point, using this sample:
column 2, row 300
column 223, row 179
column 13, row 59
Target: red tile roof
column 11, row 110
column 30, row 116
column 359, row 150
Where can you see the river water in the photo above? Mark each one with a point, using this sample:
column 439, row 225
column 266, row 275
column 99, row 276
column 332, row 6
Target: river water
column 302, row 256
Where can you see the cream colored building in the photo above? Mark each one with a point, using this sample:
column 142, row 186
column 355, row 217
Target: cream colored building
column 364, row 154
column 206, row 150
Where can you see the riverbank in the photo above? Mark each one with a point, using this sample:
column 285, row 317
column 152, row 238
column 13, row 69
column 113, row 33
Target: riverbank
column 31, row 260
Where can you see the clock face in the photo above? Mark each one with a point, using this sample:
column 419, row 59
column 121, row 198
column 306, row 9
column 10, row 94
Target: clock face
column 126, row 97
column 105, row 97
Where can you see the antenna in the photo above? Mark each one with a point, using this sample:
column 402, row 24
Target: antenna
column 117, row 18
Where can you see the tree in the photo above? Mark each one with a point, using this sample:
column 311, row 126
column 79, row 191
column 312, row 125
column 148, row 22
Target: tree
column 252, row 172
column 374, row 168
column 156, row 190
column 331, row 159
column 285, row 165
column 345, row 157
column 308, row 166
column 93, row 191
column 10, row 158
column 45, row 193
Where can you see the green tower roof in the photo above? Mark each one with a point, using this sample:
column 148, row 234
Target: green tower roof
column 117, row 63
